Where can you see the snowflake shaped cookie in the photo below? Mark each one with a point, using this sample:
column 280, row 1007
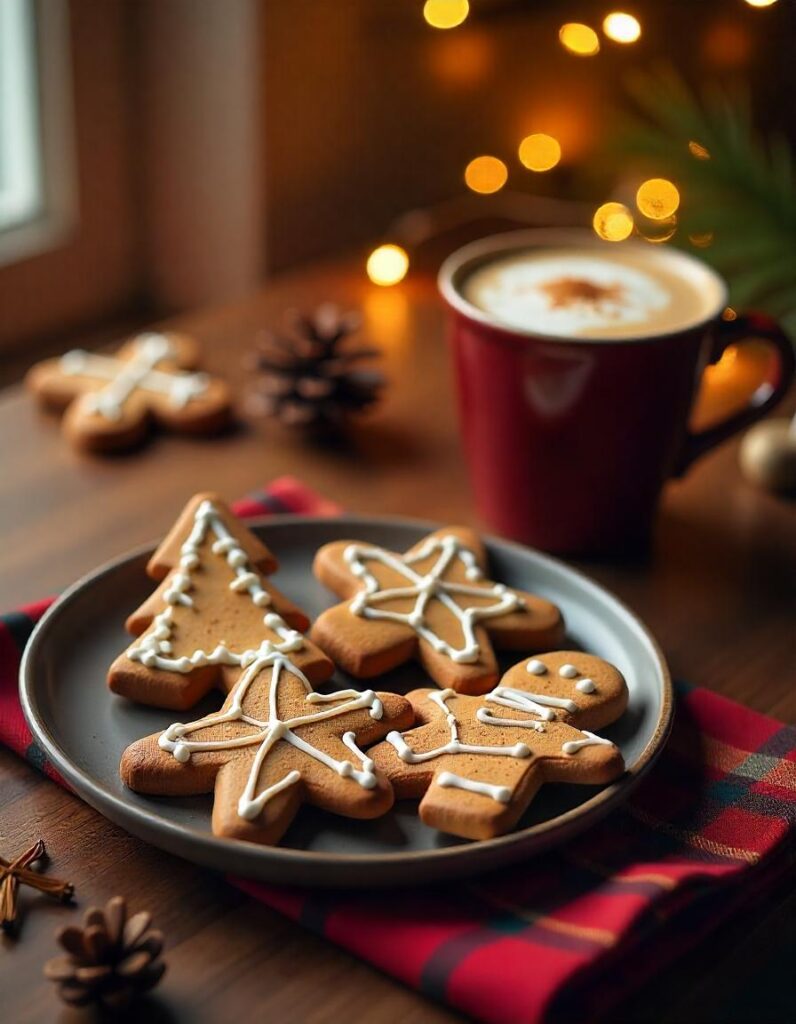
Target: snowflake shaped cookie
column 476, row 763
column 111, row 400
column 434, row 603
column 276, row 743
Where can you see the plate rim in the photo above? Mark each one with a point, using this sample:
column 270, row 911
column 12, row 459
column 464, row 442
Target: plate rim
column 568, row 822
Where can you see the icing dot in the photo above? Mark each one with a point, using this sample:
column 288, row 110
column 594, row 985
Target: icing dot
column 536, row 667
column 474, row 573
column 237, row 558
column 586, row 686
column 520, row 750
column 262, row 599
column 181, row 753
column 568, row 671
column 345, row 769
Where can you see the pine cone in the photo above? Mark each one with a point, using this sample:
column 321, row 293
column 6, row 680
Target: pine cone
column 306, row 377
column 110, row 960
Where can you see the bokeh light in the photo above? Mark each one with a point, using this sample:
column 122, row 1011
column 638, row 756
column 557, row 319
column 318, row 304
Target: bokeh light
column 461, row 60
column 387, row 265
column 486, row 174
column 727, row 44
column 621, row 27
column 698, row 151
column 579, row 39
column 613, row 222
column 445, row 13
column 539, row 152
column 761, row 3
column 657, row 198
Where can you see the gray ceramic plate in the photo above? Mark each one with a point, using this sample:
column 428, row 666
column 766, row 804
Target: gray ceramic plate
column 84, row 728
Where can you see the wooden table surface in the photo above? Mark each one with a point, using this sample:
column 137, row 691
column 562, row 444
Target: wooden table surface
column 717, row 589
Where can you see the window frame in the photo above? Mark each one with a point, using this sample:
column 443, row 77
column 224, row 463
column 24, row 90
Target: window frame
column 44, row 209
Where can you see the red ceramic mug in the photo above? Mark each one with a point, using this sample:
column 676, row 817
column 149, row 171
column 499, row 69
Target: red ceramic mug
column 570, row 439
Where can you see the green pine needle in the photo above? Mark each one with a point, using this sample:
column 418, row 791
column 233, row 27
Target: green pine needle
column 745, row 193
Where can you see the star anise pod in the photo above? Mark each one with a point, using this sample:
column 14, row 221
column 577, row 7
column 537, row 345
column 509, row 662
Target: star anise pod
column 307, row 374
column 111, row 960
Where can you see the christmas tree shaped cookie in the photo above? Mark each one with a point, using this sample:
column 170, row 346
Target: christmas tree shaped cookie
column 213, row 614
column 434, row 603
column 475, row 763
column 275, row 744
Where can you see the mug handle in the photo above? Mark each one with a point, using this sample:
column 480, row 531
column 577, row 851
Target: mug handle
column 765, row 397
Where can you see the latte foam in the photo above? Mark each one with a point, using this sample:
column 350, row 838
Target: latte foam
column 586, row 293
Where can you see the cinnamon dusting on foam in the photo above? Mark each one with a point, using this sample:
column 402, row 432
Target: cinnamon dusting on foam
column 571, row 291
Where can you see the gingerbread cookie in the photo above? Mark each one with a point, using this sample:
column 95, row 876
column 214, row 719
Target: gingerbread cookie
column 212, row 614
column 476, row 762
column 433, row 603
column 110, row 400
column 275, row 744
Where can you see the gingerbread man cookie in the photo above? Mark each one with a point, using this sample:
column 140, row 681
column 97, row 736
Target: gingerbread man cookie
column 476, row 762
column 212, row 614
column 110, row 400
column 275, row 744
column 433, row 603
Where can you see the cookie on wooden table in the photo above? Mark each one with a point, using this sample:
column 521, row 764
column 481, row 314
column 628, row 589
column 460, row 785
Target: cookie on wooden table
column 110, row 401
column 434, row 603
column 475, row 763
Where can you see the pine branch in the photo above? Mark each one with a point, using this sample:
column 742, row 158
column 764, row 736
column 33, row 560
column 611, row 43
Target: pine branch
column 744, row 192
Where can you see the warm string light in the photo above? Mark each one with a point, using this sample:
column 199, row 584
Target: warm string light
column 613, row 222
column 486, row 174
column 387, row 265
column 581, row 40
column 621, row 27
column 445, row 13
column 761, row 3
column 539, row 152
column 657, row 198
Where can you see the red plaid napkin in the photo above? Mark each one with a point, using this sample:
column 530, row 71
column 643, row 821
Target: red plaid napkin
column 575, row 930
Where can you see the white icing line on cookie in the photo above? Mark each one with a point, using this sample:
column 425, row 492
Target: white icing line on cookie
column 124, row 376
column 500, row 793
column 573, row 746
column 267, row 733
column 155, row 643
column 454, row 744
column 427, row 588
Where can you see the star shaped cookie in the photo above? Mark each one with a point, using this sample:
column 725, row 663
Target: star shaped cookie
column 276, row 743
column 476, row 763
column 434, row 603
